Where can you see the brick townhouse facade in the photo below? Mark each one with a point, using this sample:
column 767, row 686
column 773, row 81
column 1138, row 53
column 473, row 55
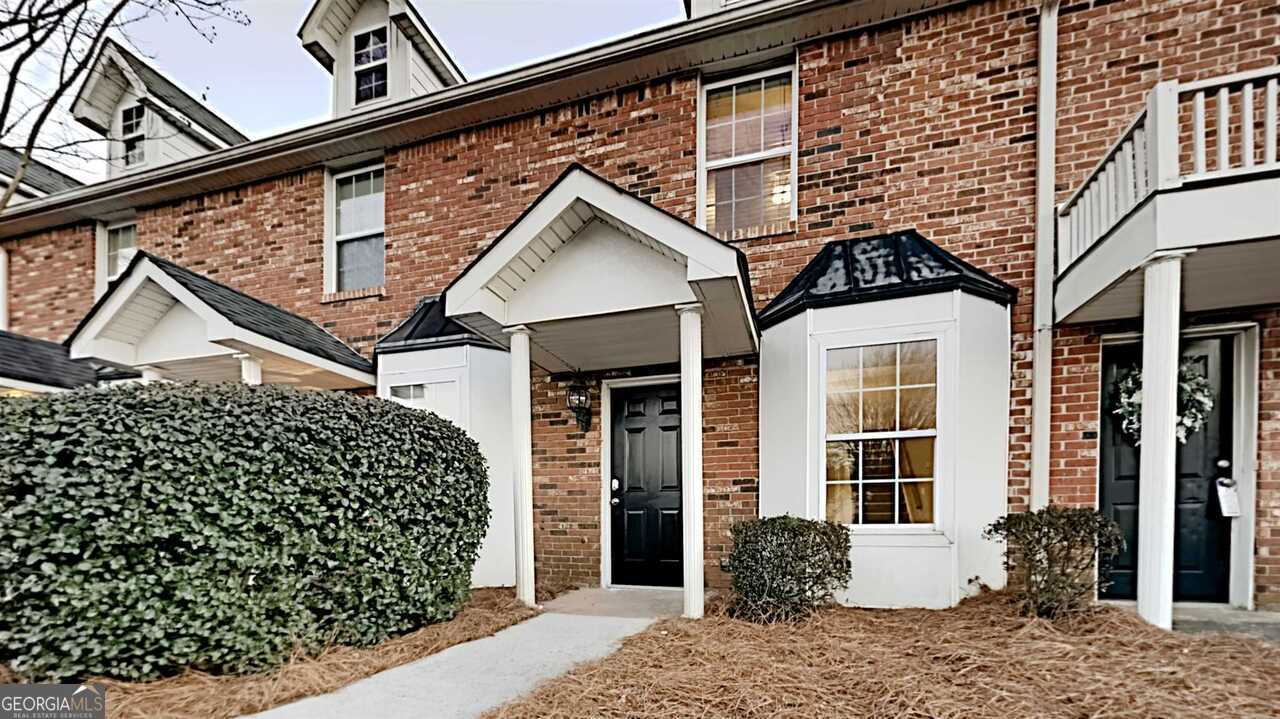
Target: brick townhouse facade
column 926, row 121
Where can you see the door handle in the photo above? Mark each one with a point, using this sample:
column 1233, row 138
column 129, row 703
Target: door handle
column 615, row 501
column 1226, row 482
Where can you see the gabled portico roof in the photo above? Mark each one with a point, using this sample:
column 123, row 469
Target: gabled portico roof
column 595, row 272
column 158, row 313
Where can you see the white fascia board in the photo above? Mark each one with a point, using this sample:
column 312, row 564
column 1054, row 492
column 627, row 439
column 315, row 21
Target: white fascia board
column 10, row 383
column 243, row 337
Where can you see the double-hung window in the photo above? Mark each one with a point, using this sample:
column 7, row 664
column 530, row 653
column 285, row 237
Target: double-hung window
column 881, row 433
column 122, row 243
column 133, row 134
column 748, row 155
column 358, row 226
column 370, row 63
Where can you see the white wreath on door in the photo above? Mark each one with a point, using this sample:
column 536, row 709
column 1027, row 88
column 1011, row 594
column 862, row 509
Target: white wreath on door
column 1195, row 402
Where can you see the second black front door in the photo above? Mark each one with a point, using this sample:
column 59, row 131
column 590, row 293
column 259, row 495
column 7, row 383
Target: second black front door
column 645, row 486
column 1202, row 536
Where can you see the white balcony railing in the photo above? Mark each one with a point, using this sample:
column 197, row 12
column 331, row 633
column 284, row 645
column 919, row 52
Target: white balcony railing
column 1172, row 142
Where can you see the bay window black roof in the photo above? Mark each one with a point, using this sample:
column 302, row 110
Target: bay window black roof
column 899, row 264
column 428, row 328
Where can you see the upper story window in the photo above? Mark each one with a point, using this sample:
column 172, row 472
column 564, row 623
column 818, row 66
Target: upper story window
column 371, row 64
column 882, row 429
column 122, row 243
column 133, row 134
column 358, row 224
column 749, row 155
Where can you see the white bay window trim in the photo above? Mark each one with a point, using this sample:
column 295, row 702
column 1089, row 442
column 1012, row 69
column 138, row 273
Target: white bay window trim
column 944, row 460
column 791, row 150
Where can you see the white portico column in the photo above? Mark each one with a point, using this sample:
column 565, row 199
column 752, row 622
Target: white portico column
column 250, row 369
column 1161, row 310
column 691, row 454
column 522, row 461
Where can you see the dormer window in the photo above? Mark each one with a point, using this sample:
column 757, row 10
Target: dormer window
column 371, row 64
column 132, row 133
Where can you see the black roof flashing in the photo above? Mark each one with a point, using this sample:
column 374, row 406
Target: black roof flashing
column 899, row 264
column 428, row 328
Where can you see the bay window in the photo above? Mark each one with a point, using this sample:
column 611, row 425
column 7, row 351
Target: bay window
column 881, row 433
column 748, row 143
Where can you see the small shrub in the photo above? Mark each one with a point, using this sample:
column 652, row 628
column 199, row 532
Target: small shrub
column 150, row 528
column 785, row 567
column 1050, row 555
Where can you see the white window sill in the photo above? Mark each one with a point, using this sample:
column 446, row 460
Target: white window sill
column 346, row 295
column 898, row 537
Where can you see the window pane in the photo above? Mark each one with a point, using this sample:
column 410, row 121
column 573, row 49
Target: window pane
column 134, row 151
column 915, row 458
column 842, row 503
column 842, row 461
column 879, row 408
column 131, row 119
column 360, row 263
column 915, row 503
column 877, row 459
column 371, row 46
column 879, row 366
column 777, row 194
column 719, row 106
column 121, row 246
column 843, row 408
column 919, row 362
column 746, row 136
column 360, row 203
column 371, row 83
column 919, row 408
column 748, row 100
column 408, row 391
column 877, row 503
column 777, row 112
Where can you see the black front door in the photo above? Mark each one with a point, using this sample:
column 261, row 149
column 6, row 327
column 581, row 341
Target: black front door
column 645, row 491
column 1202, row 539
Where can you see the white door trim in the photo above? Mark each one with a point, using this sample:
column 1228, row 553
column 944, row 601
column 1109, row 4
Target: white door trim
column 1244, row 452
column 606, row 460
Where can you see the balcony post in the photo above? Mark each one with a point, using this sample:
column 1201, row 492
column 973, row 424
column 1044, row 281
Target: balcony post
column 1163, row 172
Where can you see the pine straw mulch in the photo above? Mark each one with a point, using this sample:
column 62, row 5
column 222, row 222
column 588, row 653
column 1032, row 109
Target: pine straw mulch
column 980, row 659
column 197, row 695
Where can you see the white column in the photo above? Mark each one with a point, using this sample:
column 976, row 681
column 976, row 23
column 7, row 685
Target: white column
column 522, row 461
column 250, row 369
column 1161, row 306
column 691, row 454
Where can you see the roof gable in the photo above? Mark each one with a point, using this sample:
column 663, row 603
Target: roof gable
column 117, row 70
column 224, row 307
column 898, row 264
column 328, row 20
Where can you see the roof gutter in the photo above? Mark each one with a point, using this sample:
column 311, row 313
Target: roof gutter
column 637, row 58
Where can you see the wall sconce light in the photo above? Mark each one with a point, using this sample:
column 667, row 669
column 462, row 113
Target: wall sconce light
column 578, row 399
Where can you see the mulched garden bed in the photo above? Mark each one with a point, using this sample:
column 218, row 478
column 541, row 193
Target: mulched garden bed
column 205, row 696
column 980, row 659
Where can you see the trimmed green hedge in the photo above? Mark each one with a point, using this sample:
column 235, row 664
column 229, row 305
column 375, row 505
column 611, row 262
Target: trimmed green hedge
column 145, row 529
column 786, row 567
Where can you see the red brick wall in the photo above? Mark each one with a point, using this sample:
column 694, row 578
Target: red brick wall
column 50, row 281
column 1267, row 541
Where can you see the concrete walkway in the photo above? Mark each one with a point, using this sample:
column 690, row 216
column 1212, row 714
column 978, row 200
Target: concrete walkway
column 469, row 679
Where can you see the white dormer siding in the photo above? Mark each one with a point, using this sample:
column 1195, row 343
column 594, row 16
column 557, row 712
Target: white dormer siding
column 146, row 118
column 346, row 38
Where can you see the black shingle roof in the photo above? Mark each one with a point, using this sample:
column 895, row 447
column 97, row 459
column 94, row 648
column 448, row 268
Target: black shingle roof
column 177, row 98
column 34, row 360
column 899, row 264
column 247, row 313
column 266, row 319
column 40, row 176
column 428, row 327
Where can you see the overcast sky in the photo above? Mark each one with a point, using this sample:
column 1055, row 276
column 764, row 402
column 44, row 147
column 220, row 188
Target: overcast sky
column 261, row 79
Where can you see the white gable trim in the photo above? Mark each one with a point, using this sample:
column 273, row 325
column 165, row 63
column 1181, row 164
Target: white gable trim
column 218, row 329
column 705, row 257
